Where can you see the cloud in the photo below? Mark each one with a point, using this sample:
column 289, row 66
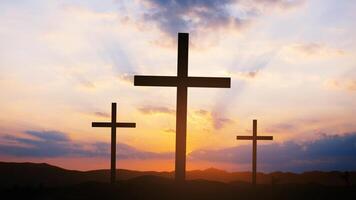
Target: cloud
column 215, row 118
column 281, row 127
column 202, row 112
column 127, row 77
column 43, row 144
column 170, row 130
column 280, row 3
column 311, row 48
column 296, row 124
column 352, row 86
column 249, row 75
column 150, row 110
column 252, row 74
column 48, row 135
column 57, row 144
column 125, row 151
column 219, row 123
column 316, row 49
column 195, row 15
column 346, row 84
column 102, row 114
column 85, row 82
column 330, row 152
column 253, row 68
column 186, row 15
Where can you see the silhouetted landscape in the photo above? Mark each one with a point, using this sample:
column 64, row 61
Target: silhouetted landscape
column 263, row 90
column 43, row 181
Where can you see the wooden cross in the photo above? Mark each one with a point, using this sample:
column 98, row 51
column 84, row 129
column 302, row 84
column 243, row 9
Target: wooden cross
column 254, row 139
column 113, row 124
column 182, row 81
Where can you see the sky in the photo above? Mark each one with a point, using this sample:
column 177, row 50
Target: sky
column 292, row 65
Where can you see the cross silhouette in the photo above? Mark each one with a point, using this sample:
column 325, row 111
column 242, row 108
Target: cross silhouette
column 182, row 82
column 254, row 139
column 113, row 124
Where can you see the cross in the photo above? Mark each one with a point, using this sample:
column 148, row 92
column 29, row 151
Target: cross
column 254, row 139
column 182, row 81
column 113, row 124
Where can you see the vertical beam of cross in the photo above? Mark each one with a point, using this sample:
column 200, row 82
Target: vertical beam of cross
column 182, row 81
column 254, row 151
column 181, row 113
column 113, row 125
column 254, row 139
column 113, row 143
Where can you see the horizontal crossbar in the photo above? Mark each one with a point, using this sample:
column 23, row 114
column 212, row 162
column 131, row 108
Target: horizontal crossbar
column 214, row 82
column 117, row 124
column 251, row 137
column 163, row 81
column 264, row 137
column 244, row 137
column 173, row 81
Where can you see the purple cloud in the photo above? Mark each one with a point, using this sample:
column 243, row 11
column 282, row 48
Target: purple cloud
column 192, row 15
column 58, row 144
column 335, row 152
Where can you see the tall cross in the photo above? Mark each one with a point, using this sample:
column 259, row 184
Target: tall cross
column 182, row 81
column 254, row 139
column 113, row 124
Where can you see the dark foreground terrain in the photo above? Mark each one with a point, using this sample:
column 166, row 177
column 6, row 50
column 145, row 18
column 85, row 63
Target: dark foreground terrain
column 152, row 187
column 42, row 181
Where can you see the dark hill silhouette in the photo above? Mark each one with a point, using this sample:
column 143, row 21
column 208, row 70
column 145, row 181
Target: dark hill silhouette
column 23, row 174
column 43, row 181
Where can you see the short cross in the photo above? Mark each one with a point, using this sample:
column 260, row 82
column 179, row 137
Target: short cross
column 113, row 124
column 254, row 139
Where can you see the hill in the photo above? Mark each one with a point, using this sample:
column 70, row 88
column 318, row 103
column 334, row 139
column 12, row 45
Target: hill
column 45, row 174
column 43, row 181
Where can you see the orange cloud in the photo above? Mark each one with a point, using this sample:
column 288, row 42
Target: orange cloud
column 102, row 114
column 150, row 110
column 217, row 121
column 170, row 130
column 348, row 85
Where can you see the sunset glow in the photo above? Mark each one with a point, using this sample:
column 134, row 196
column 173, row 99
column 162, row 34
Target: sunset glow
column 292, row 66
